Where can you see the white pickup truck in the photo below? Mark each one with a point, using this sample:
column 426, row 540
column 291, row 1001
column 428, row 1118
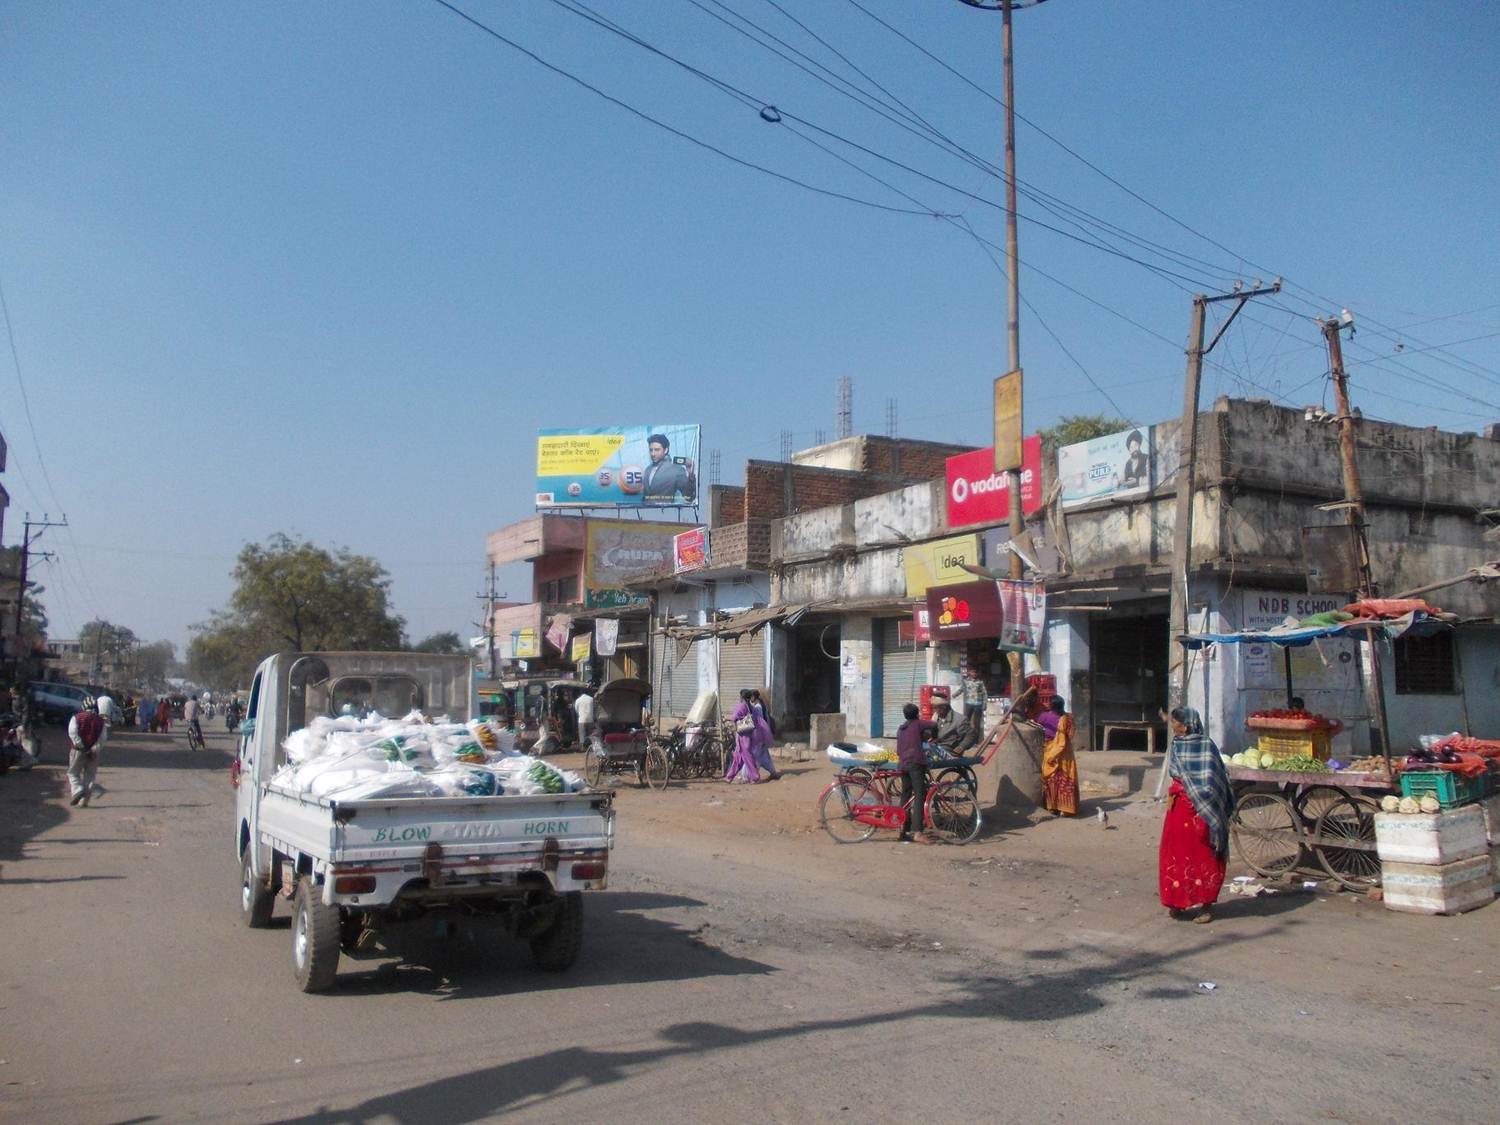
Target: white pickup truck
column 355, row 868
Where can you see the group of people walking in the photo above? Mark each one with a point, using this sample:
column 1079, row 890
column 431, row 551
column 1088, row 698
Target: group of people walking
column 753, row 735
column 154, row 715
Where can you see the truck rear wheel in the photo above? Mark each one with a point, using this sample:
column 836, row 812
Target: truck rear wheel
column 315, row 938
column 557, row 947
column 256, row 899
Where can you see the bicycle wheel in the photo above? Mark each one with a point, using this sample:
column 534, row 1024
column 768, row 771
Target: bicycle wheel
column 838, row 806
column 658, row 766
column 1345, row 843
column 1265, row 833
column 953, row 813
column 959, row 775
column 593, row 767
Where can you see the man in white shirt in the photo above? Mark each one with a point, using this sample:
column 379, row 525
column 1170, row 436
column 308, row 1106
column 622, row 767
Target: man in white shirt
column 87, row 733
column 108, row 711
column 583, row 707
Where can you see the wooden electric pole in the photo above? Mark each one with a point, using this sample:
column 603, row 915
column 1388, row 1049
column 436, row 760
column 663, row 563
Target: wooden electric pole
column 1354, row 513
column 1182, row 525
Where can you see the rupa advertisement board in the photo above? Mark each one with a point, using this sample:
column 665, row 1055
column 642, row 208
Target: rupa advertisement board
column 619, row 551
column 978, row 494
column 1113, row 466
column 614, row 467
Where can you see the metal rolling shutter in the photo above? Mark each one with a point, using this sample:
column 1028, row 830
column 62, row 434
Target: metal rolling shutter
column 742, row 664
column 903, row 670
column 675, row 685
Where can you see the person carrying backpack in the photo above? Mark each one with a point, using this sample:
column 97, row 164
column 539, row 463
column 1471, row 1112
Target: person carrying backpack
column 87, row 732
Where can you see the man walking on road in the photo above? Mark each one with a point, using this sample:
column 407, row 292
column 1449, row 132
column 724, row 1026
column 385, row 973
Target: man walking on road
column 583, row 707
column 87, row 732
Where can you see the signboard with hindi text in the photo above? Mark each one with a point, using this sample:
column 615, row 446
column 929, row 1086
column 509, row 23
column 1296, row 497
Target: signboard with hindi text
column 617, row 467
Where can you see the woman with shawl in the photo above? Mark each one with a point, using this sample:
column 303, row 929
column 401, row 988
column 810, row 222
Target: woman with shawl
column 1195, row 833
column 743, row 767
column 1059, row 767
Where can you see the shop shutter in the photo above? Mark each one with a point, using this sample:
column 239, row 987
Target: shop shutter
column 742, row 664
column 903, row 670
column 675, row 685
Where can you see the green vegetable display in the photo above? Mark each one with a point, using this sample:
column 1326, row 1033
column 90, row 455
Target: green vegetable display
column 546, row 776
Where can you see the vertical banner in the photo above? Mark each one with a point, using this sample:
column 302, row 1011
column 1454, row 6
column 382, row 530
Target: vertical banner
column 582, row 647
column 606, row 635
column 557, row 633
column 1008, row 422
column 1025, row 607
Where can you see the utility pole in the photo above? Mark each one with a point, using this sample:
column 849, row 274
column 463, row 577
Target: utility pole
column 27, row 539
column 1354, row 512
column 489, row 598
column 1182, row 525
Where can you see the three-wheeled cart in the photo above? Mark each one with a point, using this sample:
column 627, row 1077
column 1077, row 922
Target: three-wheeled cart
column 619, row 743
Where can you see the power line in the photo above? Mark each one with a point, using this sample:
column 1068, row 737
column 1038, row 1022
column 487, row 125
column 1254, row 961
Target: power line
column 644, row 116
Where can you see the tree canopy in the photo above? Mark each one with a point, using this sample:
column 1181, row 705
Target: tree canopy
column 294, row 595
column 443, row 643
column 1073, row 428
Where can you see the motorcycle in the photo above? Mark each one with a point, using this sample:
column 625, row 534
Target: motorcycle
column 12, row 753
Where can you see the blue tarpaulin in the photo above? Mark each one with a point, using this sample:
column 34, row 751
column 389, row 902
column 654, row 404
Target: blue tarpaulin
column 1294, row 636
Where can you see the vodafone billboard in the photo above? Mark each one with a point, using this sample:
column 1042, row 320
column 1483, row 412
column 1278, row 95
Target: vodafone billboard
column 978, row 494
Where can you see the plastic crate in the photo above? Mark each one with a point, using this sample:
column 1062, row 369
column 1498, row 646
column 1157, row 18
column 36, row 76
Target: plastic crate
column 1449, row 788
column 1297, row 744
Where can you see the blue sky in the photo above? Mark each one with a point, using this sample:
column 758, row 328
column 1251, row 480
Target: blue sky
column 326, row 269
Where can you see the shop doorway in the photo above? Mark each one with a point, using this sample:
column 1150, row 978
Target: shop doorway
column 1128, row 660
column 812, row 671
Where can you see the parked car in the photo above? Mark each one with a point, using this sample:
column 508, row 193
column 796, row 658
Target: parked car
column 57, row 702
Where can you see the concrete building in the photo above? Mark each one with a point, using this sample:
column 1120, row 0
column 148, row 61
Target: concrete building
column 1104, row 542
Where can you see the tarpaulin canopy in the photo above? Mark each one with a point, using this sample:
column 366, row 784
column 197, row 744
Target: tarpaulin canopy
column 1296, row 635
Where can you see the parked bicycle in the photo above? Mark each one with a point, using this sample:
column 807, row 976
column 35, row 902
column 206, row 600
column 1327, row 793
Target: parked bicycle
column 695, row 751
column 854, row 805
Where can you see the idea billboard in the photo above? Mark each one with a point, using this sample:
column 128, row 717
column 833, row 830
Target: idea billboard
column 617, row 467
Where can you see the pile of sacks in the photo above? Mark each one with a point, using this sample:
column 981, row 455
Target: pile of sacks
column 361, row 759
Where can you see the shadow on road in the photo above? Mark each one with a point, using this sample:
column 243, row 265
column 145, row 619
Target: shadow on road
column 1034, row 993
column 30, row 804
column 622, row 945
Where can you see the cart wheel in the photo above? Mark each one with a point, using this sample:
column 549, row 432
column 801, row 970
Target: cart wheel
column 658, row 767
column 593, row 767
column 1313, row 802
column 953, row 813
column 1345, row 842
column 1265, row 834
column 840, row 804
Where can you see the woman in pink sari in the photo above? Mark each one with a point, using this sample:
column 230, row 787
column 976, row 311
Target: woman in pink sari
column 743, row 768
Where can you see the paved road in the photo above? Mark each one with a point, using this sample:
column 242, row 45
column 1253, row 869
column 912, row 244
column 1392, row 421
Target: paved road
column 720, row 981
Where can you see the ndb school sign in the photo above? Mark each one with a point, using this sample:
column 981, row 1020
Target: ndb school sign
column 617, row 467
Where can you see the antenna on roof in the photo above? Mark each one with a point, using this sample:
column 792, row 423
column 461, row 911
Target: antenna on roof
column 713, row 466
column 786, row 445
column 846, row 407
column 890, row 417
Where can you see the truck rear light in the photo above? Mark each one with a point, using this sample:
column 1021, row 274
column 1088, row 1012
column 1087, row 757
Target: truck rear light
column 551, row 851
column 353, row 884
column 587, row 872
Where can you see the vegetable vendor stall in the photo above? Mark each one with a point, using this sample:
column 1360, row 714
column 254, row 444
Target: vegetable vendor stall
column 1296, row 807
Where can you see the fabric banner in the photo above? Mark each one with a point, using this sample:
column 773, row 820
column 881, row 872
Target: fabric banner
column 1025, row 610
column 606, row 635
column 557, row 633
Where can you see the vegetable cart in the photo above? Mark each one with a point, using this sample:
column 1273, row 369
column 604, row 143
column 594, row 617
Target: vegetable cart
column 1288, row 820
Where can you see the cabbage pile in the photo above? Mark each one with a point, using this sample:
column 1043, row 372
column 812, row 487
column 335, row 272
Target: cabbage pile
column 360, row 759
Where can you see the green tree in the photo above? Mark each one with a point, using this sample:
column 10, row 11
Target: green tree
column 1073, row 428
column 152, row 664
column 442, row 643
column 105, row 646
column 299, row 596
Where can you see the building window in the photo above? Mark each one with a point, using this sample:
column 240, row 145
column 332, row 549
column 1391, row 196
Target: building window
column 1424, row 665
column 567, row 589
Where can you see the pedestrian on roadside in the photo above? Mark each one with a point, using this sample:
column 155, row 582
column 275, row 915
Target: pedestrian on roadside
column 583, row 707
column 107, row 708
column 976, row 695
column 742, row 767
column 1059, row 767
column 765, row 735
column 164, row 715
column 146, row 712
column 911, row 755
column 87, row 733
column 1195, row 833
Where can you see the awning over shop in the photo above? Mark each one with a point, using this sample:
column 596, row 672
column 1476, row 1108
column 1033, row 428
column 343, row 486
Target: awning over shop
column 1294, row 636
column 752, row 620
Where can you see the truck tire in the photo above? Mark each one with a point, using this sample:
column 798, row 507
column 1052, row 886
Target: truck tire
column 256, row 899
column 557, row 947
column 315, row 938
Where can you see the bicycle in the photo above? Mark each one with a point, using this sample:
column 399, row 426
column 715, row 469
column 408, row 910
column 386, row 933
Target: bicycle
column 853, row 806
column 195, row 736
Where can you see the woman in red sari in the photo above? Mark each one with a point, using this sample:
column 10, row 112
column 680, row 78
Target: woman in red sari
column 1195, row 834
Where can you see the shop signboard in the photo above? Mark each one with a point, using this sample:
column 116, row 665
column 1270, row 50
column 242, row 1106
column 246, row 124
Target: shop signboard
column 1325, row 665
column 620, row 551
column 583, row 647
column 939, row 563
column 617, row 467
column 968, row 609
column 525, row 644
column 1024, row 606
column 1006, row 455
column 1111, row 467
column 978, row 494
column 916, row 631
column 690, row 550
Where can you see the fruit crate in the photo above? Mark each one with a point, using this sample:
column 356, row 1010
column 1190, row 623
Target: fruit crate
column 1297, row 744
column 1449, row 788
